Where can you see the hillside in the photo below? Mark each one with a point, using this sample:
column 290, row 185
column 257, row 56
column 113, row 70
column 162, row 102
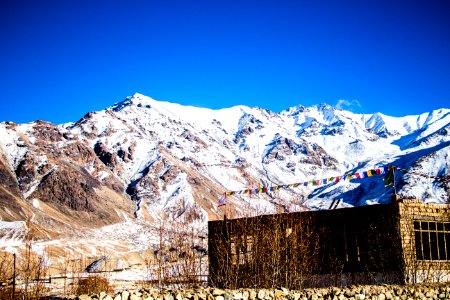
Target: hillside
column 110, row 177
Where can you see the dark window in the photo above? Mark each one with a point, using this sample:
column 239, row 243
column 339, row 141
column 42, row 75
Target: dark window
column 441, row 245
column 340, row 244
column 426, row 245
column 352, row 247
column 432, row 240
column 419, row 251
column 417, row 225
column 351, row 250
column 434, row 245
column 447, row 244
column 241, row 249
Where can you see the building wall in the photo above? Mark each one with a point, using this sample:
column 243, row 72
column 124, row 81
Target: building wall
column 316, row 248
column 425, row 231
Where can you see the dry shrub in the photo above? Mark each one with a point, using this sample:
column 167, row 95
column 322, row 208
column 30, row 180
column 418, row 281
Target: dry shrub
column 6, row 274
column 93, row 285
column 30, row 270
column 6, row 267
column 5, row 293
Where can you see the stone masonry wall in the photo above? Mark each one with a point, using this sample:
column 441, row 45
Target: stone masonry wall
column 366, row 292
column 421, row 270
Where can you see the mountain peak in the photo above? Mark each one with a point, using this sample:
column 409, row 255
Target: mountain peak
column 137, row 99
column 325, row 106
column 294, row 110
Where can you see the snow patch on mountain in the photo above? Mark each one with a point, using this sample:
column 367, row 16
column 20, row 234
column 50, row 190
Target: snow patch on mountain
column 13, row 146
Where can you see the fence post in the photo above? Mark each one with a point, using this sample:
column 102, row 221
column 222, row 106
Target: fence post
column 14, row 279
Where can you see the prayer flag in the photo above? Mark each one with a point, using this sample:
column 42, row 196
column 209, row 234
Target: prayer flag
column 337, row 179
column 357, row 175
column 222, row 200
column 389, row 178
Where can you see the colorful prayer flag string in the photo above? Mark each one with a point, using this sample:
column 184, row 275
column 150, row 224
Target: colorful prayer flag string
column 388, row 179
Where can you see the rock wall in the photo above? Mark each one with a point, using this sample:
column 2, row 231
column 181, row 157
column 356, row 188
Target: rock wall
column 363, row 292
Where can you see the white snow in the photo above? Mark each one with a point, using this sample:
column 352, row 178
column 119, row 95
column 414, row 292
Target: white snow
column 12, row 235
column 35, row 203
column 12, row 146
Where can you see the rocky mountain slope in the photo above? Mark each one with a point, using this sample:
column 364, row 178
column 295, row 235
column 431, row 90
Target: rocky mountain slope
column 143, row 160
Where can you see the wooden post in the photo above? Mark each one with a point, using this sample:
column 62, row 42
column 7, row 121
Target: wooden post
column 395, row 197
column 199, row 278
column 14, row 279
column 160, row 255
column 395, row 190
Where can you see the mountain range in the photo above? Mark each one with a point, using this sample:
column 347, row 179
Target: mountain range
column 114, row 174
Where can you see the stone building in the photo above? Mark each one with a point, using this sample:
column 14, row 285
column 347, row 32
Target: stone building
column 401, row 242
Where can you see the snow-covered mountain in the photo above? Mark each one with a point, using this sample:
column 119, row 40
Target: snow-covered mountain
column 148, row 160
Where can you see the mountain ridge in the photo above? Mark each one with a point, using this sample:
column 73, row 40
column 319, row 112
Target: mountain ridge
column 148, row 160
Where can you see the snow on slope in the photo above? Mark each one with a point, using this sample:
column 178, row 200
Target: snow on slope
column 169, row 156
column 242, row 147
column 12, row 146
column 12, row 234
column 176, row 161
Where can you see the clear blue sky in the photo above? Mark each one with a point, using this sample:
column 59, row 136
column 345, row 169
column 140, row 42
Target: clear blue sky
column 61, row 59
